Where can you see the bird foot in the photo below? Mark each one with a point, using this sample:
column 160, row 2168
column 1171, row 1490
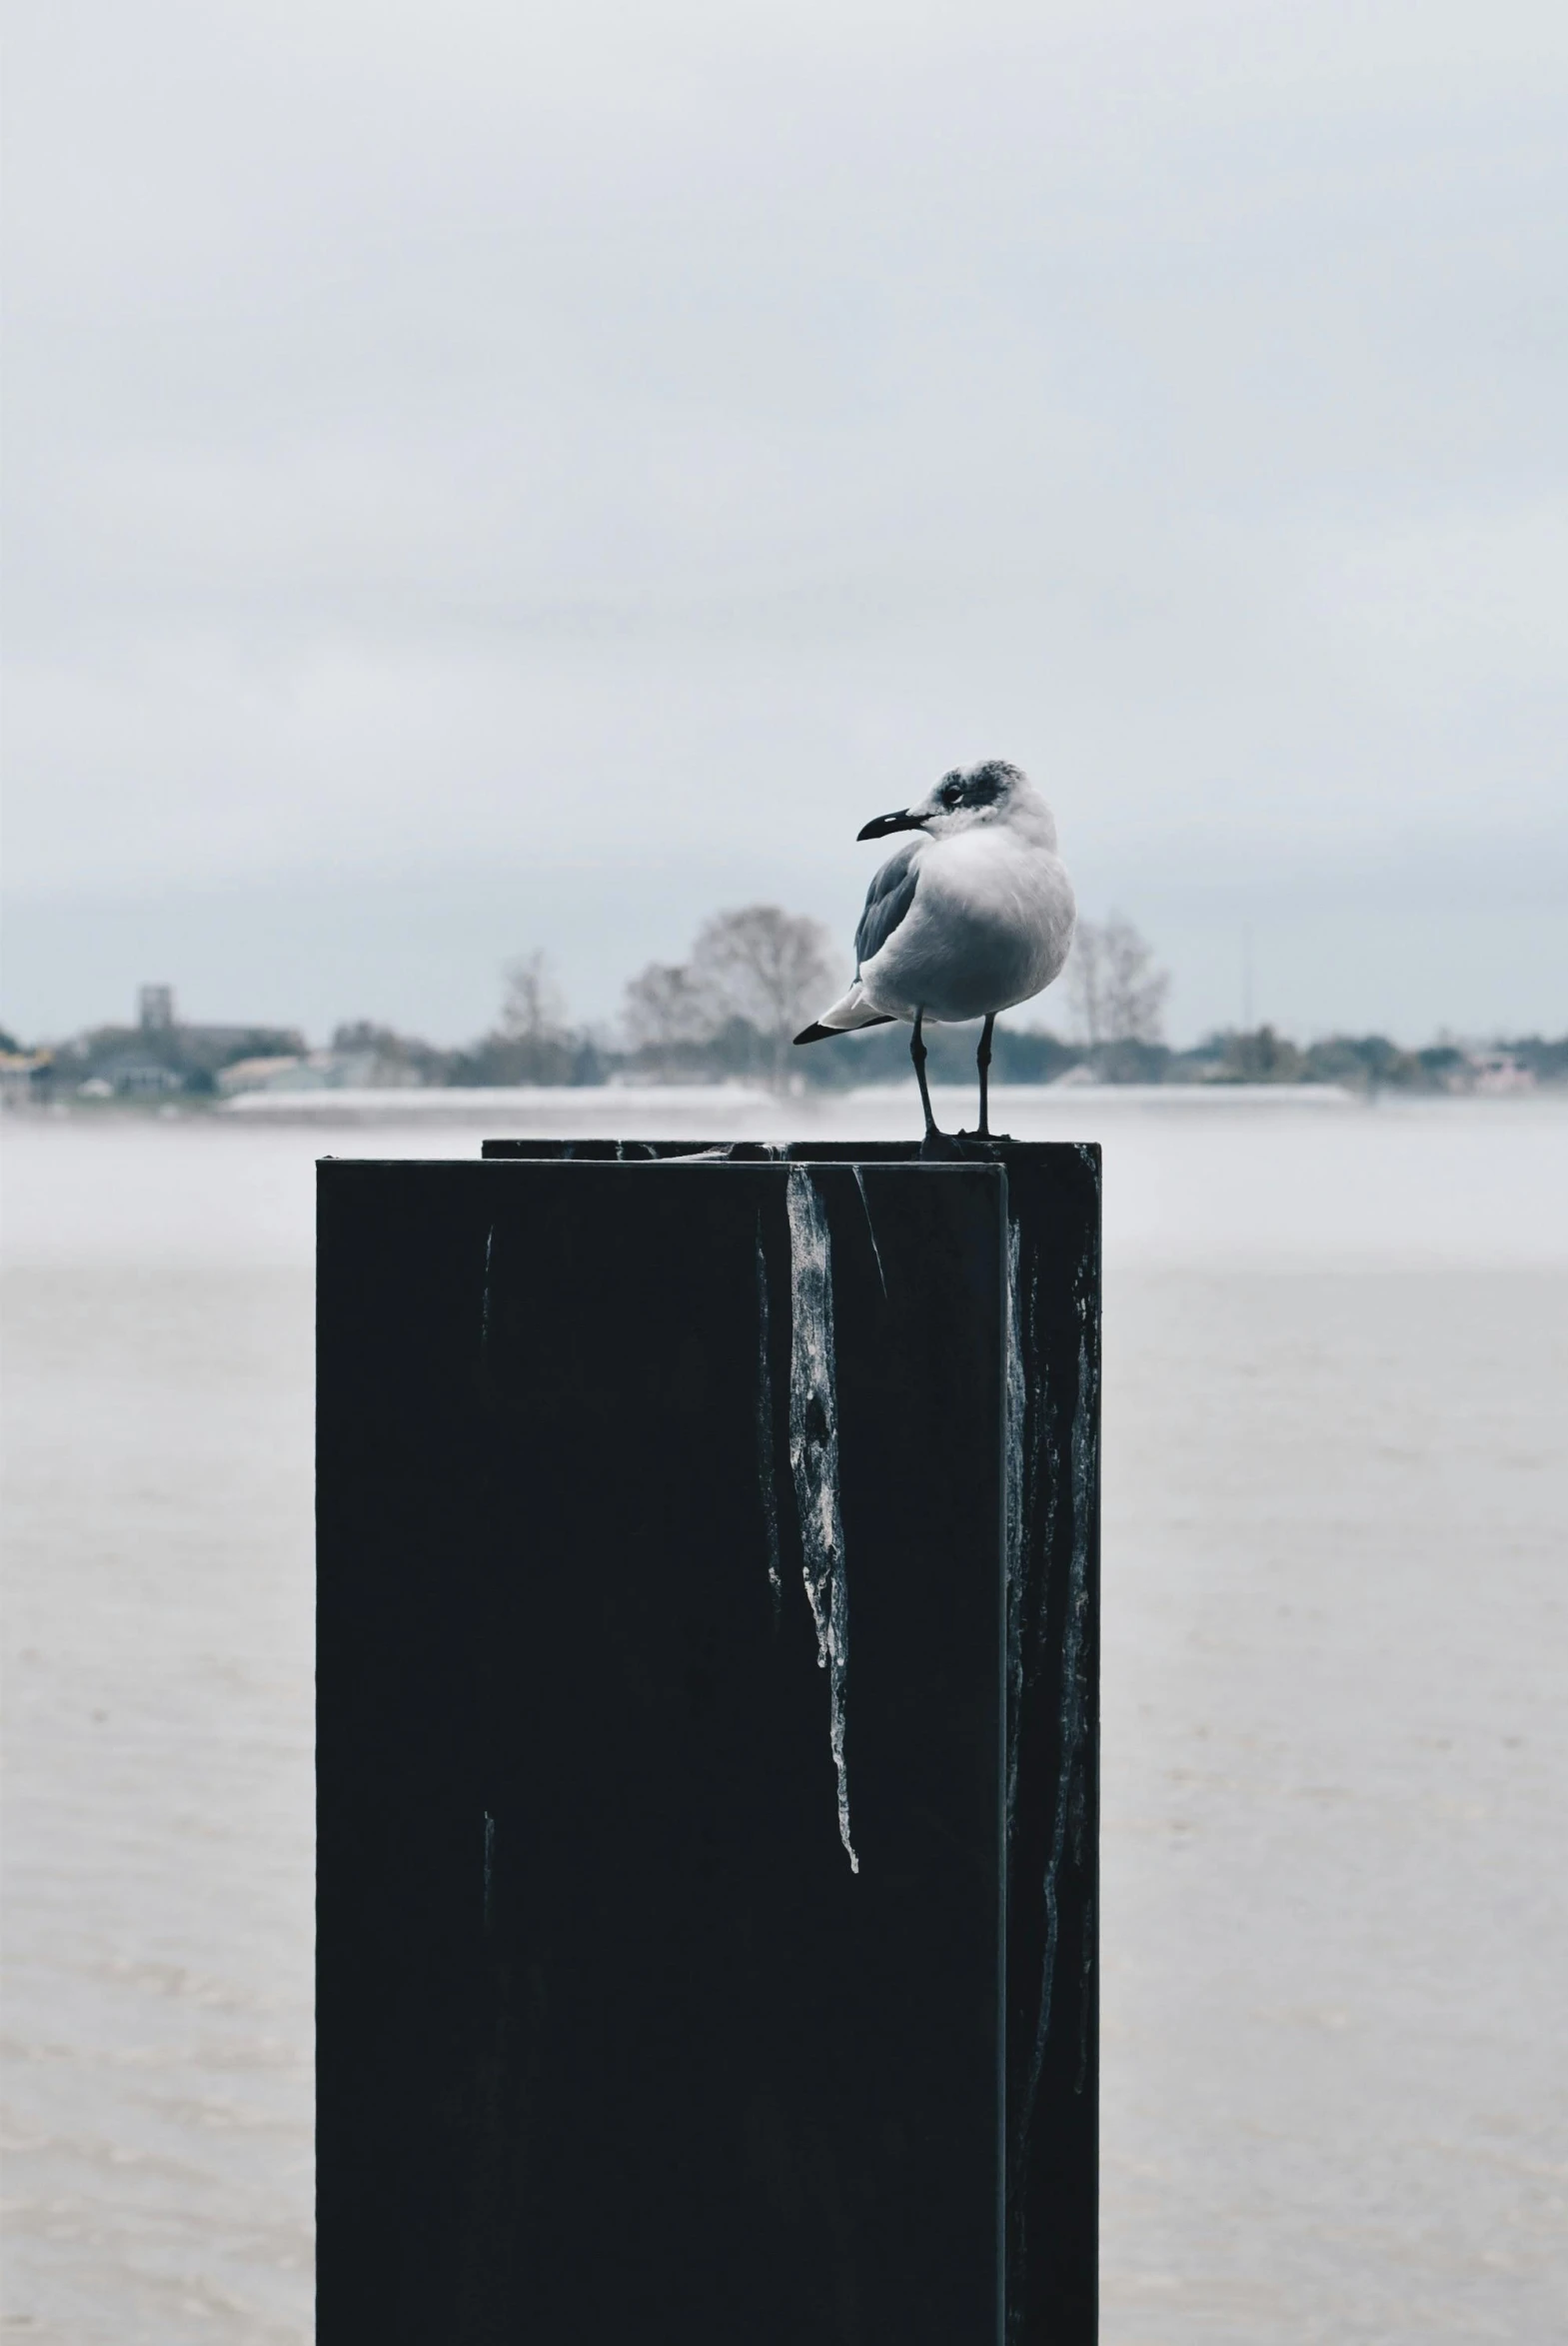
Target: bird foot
column 939, row 1148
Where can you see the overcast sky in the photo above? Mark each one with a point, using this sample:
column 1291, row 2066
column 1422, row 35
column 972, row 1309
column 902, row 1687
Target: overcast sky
column 484, row 477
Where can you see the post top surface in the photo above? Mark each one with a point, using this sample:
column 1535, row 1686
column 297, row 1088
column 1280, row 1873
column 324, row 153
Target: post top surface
column 957, row 1148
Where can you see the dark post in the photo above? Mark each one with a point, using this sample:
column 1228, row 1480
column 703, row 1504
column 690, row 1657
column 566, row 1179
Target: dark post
column 708, row 1768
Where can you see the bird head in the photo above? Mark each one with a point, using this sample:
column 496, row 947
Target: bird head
column 965, row 799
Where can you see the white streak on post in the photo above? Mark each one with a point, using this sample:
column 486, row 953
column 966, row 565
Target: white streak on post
column 813, row 1459
column 866, row 1207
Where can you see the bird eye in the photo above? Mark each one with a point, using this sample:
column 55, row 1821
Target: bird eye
column 952, row 794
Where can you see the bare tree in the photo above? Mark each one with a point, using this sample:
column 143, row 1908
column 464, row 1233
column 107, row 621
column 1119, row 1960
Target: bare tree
column 1117, row 993
column 1136, row 988
column 767, row 966
column 1086, row 984
column 666, row 1007
column 531, row 1008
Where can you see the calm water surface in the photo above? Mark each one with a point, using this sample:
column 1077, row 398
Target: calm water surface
column 1336, row 1781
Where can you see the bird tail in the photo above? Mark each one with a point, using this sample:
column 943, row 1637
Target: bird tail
column 852, row 1011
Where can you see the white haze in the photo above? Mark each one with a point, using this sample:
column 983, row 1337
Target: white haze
column 483, row 478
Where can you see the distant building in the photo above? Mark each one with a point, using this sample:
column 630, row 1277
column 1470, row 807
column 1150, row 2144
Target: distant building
column 160, row 1055
column 1500, row 1072
column 141, row 1079
column 24, row 1074
column 207, row 1047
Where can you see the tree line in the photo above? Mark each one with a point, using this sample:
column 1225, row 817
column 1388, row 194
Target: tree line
column 755, row 975
column 752, row 977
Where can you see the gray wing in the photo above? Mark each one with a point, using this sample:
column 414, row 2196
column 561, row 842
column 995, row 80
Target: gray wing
column 887, row 900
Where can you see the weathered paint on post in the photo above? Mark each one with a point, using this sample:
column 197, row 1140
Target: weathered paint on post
column 694, row 1534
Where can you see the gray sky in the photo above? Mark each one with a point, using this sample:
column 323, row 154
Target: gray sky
column 484, row 477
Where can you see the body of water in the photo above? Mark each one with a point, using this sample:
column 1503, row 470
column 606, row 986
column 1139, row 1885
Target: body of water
column 1335, row 1756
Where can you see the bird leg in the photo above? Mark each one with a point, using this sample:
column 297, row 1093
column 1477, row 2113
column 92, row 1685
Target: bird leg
column 982, row 1059
column 918, row 1053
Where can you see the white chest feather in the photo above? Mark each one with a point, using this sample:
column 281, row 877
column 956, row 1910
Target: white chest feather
column 991, row 925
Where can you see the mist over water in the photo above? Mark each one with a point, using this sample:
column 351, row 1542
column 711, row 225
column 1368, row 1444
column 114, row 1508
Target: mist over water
column 1335, row 2094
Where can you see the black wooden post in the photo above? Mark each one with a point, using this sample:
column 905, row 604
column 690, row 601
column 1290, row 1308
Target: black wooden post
column 708, row 1785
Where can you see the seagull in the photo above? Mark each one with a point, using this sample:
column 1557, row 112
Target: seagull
column 969, row 915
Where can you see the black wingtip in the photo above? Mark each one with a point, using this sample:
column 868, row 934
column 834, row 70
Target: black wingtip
column 818, row 1032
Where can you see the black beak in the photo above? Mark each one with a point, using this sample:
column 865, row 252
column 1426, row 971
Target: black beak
column 884, row 824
